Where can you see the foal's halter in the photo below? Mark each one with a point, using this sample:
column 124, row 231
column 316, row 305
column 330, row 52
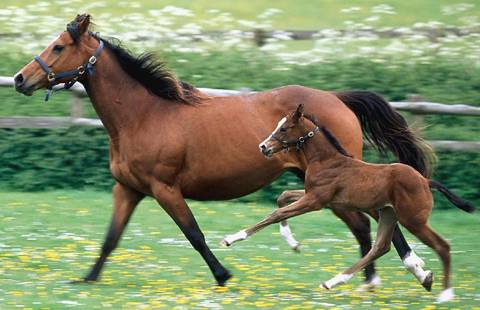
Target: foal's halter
column 299, row 142
column 51, row 77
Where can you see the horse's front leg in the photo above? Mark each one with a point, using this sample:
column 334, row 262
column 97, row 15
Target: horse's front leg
column 125, row 199
column 283, row 200
column 306, row 204
column 172, row 201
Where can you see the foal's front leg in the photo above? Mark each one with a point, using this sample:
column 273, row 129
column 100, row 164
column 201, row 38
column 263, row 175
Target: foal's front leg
column 283, row 200
column 306, row 204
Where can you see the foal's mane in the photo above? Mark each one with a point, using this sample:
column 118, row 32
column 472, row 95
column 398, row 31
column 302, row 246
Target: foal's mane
column 328, row 135
column 148, row 69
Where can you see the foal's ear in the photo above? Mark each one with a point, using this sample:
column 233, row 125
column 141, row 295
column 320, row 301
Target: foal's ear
column 299, row 112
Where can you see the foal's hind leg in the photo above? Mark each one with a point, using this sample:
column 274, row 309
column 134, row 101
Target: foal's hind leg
column 283, row 200
column 357, row 222
column 441, row 246
column 386, row 224
column 410, row 260
column 359, row 225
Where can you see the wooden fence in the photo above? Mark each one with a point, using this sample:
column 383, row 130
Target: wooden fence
column 417, row 108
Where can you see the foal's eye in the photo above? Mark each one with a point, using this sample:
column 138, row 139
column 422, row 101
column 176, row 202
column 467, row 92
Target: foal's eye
column 58, row 48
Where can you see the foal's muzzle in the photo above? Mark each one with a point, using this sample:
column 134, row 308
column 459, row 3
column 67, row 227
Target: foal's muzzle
column 267, row 152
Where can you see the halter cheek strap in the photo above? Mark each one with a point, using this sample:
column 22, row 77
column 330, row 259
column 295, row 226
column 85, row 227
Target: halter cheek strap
column 87, row 67
column 299, row 142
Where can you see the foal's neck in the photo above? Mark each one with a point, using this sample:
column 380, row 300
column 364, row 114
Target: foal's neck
column 320, row 149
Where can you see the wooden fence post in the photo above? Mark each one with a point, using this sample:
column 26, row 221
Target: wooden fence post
column 76, row 108
column 417, row 120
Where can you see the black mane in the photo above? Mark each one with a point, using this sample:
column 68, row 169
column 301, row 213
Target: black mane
column 330, row 137
column 148, row 69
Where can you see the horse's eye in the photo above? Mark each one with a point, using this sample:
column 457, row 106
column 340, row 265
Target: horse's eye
column 283, row 130
column 58, row 48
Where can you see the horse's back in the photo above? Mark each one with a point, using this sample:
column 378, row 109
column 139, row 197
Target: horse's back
column 323, row 105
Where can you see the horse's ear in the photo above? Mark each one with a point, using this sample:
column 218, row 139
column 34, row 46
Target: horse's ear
column 82, row 23
column 299, row 112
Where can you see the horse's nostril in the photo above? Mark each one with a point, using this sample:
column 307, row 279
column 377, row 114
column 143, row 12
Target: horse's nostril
column 18, row 78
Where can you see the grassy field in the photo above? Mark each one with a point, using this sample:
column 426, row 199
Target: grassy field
column 303, row 14
column 51, row 238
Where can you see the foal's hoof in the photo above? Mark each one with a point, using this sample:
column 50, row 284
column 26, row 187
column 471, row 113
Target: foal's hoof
column 428, row 282
column 446, row 295
column 224, row 242
column 371, row 285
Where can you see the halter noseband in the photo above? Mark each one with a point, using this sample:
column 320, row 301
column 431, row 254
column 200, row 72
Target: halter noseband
column 88, row 66
column 299, row 142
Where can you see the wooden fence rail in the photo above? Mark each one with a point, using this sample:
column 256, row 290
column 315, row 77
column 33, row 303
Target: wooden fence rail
column 418, row 109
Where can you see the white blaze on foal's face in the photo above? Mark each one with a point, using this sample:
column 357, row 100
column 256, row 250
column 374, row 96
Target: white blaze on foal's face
column 280, row 123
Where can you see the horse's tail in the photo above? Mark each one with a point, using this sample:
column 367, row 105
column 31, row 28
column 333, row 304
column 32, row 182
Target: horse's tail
column 460, row 203
column 387, row 130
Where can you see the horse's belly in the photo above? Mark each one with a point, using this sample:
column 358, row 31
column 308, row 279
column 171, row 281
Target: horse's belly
column 224, row 188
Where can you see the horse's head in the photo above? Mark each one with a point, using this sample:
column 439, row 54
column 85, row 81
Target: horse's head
column 286, row 133
column 62, row 61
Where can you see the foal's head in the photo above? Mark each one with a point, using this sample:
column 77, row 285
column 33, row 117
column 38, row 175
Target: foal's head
column 292, row 130
column 63, row 55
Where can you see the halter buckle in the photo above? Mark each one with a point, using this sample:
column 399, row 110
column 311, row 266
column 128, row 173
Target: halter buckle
column 92, row 60
column 310, row 134
column 51, row 77
column 81, row 70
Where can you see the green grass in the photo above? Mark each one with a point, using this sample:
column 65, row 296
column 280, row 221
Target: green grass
column 48, row 239
column 303, row 14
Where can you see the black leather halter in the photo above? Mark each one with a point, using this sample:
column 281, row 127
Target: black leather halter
column 299, row 142
column 87, row 67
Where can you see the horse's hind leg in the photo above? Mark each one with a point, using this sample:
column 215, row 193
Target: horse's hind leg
column 283, row 200
column 174, row 204
column 125, row 199
column 386, row 224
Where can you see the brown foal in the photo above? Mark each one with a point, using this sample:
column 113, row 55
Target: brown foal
column 336, row 181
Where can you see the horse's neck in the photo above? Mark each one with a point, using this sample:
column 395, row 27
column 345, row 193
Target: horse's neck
column 115, row 95
column 319, row 149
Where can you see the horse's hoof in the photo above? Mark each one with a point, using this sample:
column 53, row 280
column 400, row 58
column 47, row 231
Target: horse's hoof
column 428, row 282
column 297, row 248
column 324, row 286
column 83, row 280
column 224, row 278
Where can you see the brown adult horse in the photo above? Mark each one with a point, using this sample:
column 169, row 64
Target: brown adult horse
column 336, row 181
column 170, row 141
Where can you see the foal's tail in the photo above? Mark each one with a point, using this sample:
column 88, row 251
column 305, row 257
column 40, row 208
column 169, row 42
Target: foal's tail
column 387, row 130
column 460, row 203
